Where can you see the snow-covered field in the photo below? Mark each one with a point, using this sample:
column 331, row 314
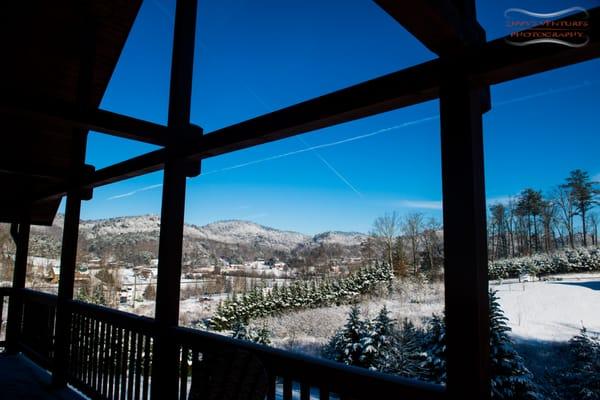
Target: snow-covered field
column 550, row 311
column 553, row 310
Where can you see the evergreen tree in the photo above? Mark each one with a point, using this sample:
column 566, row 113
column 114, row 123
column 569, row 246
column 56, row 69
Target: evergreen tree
column 410, row 356
column 346, row 345
column 300, row 295
column 379, row 344
column 239, row 331
column 98, row 296
column 584, row 193
column 261, row 335
column 581, row 378
column 434, row 364
column 242, row 331
column 510, row 377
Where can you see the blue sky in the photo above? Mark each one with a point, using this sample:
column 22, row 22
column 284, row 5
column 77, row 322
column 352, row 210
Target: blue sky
column 253, row 57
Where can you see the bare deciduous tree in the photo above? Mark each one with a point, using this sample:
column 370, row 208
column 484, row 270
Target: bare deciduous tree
column 387, row 228
column 566, row 210
column 412, row 228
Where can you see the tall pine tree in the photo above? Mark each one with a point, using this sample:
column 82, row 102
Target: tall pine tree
column 510, row 377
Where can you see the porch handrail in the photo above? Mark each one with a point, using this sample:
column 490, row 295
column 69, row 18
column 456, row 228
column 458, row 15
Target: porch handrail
column 128, row 329
column 341, row 379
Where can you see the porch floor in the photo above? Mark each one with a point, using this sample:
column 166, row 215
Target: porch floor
column 21, row 379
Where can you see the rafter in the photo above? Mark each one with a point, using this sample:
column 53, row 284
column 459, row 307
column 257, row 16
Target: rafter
column 454, row 27
column 95, row 119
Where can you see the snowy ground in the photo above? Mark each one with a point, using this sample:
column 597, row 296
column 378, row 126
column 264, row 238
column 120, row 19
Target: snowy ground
column 553, row 310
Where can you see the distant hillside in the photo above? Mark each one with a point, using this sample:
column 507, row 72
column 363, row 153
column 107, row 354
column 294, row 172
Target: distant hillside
column 135, row 239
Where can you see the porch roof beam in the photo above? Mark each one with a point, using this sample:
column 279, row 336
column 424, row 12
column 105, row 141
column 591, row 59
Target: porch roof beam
column 454, row 28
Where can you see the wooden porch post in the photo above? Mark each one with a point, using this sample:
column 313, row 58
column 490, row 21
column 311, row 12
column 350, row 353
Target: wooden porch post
column 465, row 239
column 15, row 307
column 68, row 259
column 166, row 353
column 75, row 194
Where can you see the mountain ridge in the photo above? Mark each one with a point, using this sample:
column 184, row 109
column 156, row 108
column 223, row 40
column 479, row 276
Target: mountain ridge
column 135, row 239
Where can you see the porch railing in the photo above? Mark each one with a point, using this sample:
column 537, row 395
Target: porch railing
column 294, row 375
column 37, row 324
column 110, row 357
column 110, row 352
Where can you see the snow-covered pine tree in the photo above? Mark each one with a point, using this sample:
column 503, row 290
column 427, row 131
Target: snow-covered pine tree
column 379, row 345
column 580, row 379
column 434, row 365
column 239, row 331
column 510, row 377
column 345, row 346
column 410, row 356
column 261, row 335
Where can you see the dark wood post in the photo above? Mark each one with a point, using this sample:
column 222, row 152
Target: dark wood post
column 15, row 307
column 166, row 355
column 465, row 239
column 75, row 194
column 68, row 259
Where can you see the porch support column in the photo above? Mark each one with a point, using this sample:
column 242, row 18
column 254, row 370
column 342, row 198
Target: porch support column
column 75, row 194
column 68, row 259
column 166, row 353
column 465, row 239
column 15, row 307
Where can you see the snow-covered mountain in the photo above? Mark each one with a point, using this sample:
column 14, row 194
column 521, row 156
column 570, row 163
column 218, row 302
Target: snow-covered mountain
column 341, row 238
column 250, row 233
column 134, row 236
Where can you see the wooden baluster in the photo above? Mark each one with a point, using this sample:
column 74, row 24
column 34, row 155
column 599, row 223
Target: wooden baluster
column 132, row 362
column 146, row 384
column 101, row 359
column 72, row 347
column 138, row 366
column 124, row 361
column 183, row 380
column 112, row 360
column 106, row 366
column 272, row 387
column 118, row 356
column 87, row 350
column 304, row 391
column 95, row 345
column 91, row 350
column 287, row 388
column 77, row 344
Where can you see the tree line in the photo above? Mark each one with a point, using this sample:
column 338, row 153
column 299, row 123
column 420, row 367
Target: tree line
column 412, row 244
column 530, row 223
column 536, row 222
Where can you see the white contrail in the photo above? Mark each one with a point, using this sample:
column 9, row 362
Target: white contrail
column 314, row 151
column 325, row 145
column 421, row 204
column 546, row 93
column 332, row 168
column 120, row 196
